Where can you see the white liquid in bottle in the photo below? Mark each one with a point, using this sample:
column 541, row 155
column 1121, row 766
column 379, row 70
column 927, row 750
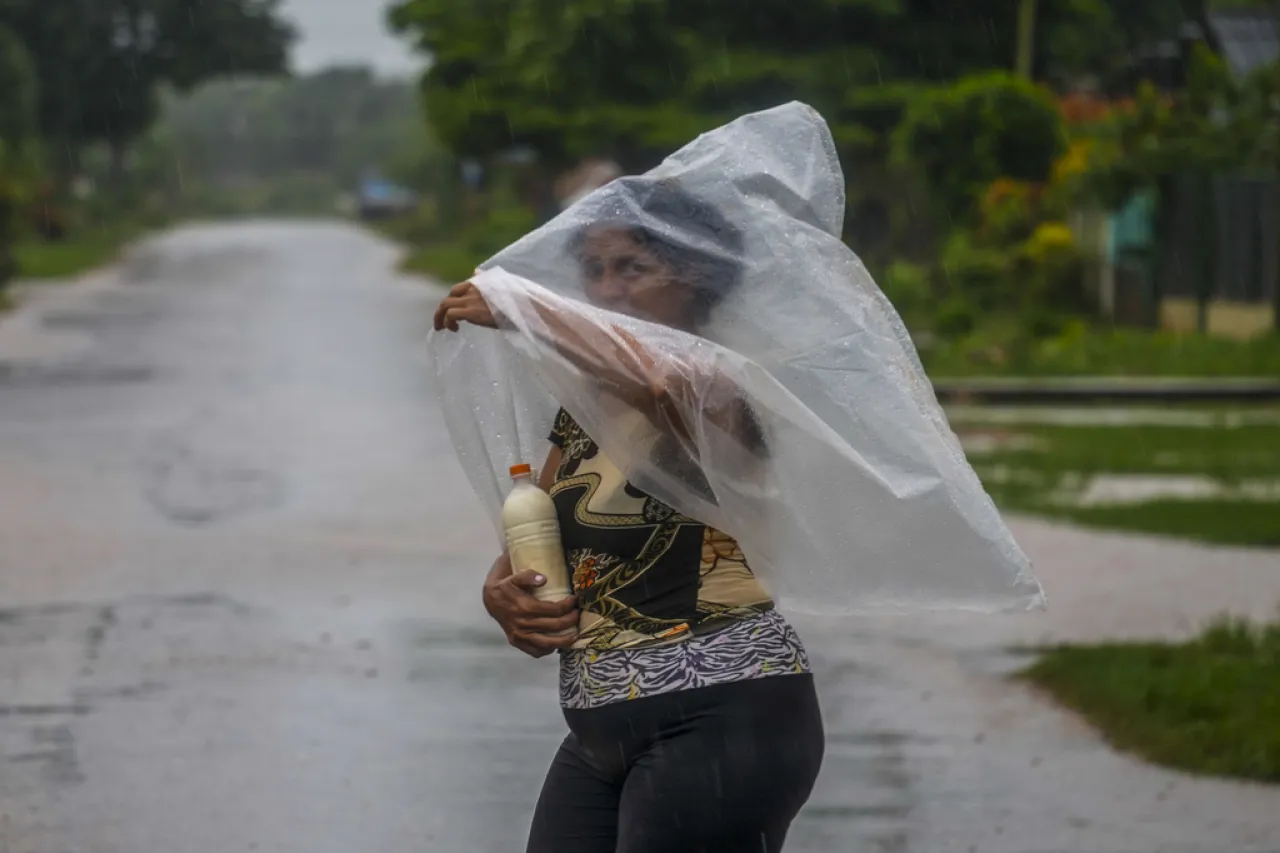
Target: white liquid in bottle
column 533, row 535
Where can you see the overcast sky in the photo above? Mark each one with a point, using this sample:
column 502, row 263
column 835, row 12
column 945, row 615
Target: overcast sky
column 347, row 31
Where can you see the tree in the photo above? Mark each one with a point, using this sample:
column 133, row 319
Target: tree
column 100, row 64
column 17, row 91
column 17, row 126
column 1098, row 38
column 630, row 78
column 635, row 78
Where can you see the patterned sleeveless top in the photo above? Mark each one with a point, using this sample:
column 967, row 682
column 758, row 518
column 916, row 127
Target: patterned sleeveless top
column 667, row 602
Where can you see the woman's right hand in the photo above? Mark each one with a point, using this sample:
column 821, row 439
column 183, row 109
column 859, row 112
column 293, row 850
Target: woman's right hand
column 530, row 624
column 464, row 304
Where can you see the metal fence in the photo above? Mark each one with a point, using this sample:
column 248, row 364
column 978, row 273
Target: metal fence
column 1220, row 241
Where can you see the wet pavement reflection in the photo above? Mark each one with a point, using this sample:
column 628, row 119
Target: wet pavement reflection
column 239, row 603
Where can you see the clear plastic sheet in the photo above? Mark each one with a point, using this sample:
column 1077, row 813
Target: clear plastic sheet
column 706, row 325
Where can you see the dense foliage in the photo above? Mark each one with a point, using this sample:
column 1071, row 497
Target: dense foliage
column 101, row 64
column 83, row 81
column 633, row 78
column 17, row 126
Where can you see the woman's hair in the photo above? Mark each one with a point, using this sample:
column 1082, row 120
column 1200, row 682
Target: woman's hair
column 694, row 239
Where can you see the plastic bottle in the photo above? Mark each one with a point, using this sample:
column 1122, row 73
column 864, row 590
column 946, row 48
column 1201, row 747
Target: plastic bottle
column 533, row 535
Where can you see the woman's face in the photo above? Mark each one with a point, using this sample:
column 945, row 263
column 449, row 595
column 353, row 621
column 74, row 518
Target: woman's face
column 621, row 274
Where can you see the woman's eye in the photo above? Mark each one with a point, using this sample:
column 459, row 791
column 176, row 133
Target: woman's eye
column 632, row 268
column 593, row 270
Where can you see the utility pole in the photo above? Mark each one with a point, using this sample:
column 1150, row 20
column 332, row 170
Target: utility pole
column 1026, row 37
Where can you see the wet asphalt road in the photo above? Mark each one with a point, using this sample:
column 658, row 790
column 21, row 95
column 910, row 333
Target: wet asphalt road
column 239, row 576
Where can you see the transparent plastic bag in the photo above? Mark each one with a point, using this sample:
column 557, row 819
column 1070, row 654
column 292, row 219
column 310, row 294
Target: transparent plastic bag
column 707, row 327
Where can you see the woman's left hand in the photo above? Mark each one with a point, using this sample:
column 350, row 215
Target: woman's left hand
column 464, row 304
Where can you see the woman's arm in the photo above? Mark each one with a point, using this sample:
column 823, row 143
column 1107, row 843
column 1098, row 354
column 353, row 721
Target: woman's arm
column 653, row 384
column 511, row 600
column 610, row 355
column 656, row 385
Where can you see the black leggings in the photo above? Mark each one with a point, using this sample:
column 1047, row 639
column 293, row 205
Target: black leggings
column 721, row 769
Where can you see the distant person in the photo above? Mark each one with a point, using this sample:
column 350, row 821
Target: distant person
column 587, row 177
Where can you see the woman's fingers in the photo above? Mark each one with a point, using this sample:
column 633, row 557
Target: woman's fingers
column 528, row 581
column 521, row 588
column 447, row 314
column 463, row 305
column 543, row 644
column 545, row 616
column 544, row 625
column 530, row 650
column 550, row 609
column 450, row 313
column 449, row 302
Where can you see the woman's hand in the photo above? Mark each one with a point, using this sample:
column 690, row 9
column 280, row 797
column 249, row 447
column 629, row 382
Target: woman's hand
column 530, row 624
column 464, row 304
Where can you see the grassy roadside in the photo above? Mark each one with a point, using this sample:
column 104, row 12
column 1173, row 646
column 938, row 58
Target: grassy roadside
column 1219, row 522
column 446, row 262
column 1218, row 483
column 81, row 251
column 1083, row 351
column 1210, row 706
column 451, row 251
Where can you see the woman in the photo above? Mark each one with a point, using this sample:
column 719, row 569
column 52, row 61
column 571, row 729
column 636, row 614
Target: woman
column 694, row 722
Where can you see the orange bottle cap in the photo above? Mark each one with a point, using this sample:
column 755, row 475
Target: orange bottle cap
column 521, row 470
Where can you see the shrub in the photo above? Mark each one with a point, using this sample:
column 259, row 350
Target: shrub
column 46, row 216
column 956, row 318
column 963, row 137
column 1054, row 268
column 1007, row 209
column 909, row 287
column 983, row 274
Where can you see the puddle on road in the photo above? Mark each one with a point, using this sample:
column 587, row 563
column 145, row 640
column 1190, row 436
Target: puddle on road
column 94, row 321
column 29, row 375
column 433, row 638
column 1125, row 489
column 960, row 416
column 987, row 442
column 192, row 484
column 1074, row 489
column 1008, row 475
column 885, row 739
column 1077, row 489
column 856, row 811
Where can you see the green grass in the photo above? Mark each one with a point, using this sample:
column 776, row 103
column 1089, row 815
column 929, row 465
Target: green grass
column 1220, row 522
column 80, row 252
column 1210, row 706
column 1040, row 479
column 1230, row 454
column 1105, row 352
column 449, row 263
column 451, row 251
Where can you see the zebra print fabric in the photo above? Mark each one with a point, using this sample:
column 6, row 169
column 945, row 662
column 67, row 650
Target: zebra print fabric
column 759, row 647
